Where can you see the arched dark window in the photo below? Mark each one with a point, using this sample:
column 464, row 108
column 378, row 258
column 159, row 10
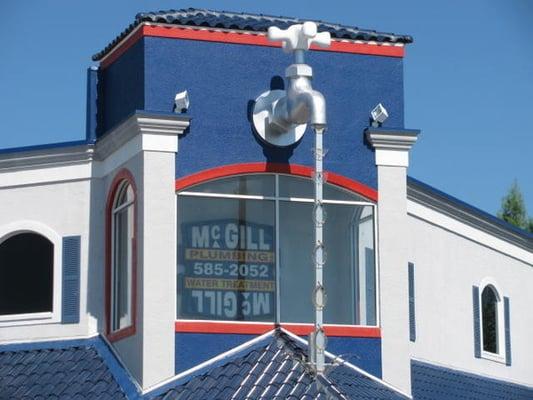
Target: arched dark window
column 26, row 274
column 489, row 316
column 123, row 235
column 121, row 257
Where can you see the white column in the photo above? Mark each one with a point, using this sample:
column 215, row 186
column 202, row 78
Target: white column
column 392, row 159
column 160, row 145
column 147, row 145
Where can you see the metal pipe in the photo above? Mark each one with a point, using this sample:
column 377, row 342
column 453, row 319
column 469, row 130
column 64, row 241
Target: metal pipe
column 318, row 336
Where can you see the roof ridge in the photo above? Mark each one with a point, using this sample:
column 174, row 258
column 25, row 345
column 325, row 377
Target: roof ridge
column 217, row 13
column 245, row 21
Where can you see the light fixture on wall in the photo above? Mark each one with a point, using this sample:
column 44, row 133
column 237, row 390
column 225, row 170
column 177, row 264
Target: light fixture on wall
column 181, row 102
column 379, row 114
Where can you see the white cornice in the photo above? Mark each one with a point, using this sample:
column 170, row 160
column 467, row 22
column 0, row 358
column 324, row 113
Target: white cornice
column 431, row 207
column 391, row 141
column 157, row 133
column 44, row 157
column 140, row 132
column 392, row 145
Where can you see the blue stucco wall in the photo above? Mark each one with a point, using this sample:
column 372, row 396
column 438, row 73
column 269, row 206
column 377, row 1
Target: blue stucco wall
column 92, row 104
column 224, row 79
column 195, row 348
column 362, row 352
column 121, row 89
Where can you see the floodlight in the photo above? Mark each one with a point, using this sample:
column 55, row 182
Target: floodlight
column 181, row 102
column 379, row 114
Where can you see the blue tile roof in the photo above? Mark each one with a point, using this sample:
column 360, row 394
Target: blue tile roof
column 248, row 22
column 59, row 370
column 276, row 369
column 437, row 383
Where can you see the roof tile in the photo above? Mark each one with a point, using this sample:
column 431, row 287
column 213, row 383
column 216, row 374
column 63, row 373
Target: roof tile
column 76, row 372
column 438, row 383
column 277, row 370
column 247, row 22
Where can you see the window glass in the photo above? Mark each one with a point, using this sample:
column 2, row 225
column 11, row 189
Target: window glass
column 489, row 303
column 228, row 255
column 226, row 267
column 26, row 274
column 291, row 186
column 123, row 236
column 256, row 185
column 349, row 276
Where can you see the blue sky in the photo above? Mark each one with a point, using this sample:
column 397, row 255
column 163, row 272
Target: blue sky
column 468, row 77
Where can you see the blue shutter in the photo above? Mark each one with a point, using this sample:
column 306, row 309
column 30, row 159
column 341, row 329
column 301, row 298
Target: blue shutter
column 412, row 321
column 70, row 308
column 507, row 322
column 477, row 333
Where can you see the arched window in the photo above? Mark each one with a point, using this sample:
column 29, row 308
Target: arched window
column 490, row 319
column 245, row 246
column 26, row 274
column 121, row 257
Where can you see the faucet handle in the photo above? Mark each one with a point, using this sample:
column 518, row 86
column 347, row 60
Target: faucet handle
column 299, row 36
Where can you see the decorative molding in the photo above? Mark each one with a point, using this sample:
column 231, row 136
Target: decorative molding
column 469, row 216
column 46, row 156
column 392, row 145
column 74, row 161
column 156, row 132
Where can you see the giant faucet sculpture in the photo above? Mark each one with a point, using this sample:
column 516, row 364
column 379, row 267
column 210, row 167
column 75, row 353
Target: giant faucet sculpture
column 280, row 118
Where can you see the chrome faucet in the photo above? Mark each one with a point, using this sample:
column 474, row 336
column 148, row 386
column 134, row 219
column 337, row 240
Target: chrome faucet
column 280, row 117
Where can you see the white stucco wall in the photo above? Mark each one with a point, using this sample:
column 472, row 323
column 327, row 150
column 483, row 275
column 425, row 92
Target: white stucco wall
column 448, row 262
column 149, row 353
column 63, row 208
column 147, row 148
column 392, row 221
column 64, row 191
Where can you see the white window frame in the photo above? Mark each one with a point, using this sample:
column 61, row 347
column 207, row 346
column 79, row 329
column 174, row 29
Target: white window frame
column 114, row 210
column 500, row 356
column 27, row 226
column 277, row 198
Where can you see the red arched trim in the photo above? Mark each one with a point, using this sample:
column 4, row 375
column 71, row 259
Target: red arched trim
column 122, row 176
column 291, row 169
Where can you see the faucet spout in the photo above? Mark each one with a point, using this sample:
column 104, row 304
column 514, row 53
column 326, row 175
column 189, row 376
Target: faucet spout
column 308, row 107
column 301, row 104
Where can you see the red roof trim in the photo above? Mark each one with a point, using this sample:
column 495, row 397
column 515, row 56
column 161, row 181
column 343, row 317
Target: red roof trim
column 217, row 327
column 255, row 39
column 292, row 169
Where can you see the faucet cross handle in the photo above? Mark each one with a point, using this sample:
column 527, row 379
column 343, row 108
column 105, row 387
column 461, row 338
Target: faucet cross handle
column 299, row 36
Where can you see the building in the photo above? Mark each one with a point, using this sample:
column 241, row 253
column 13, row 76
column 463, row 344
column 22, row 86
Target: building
column 169, row 254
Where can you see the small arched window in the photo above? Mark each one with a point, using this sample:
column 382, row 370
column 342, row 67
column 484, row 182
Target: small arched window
column 121, row 257
column 26, row 274
column 490, row 319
